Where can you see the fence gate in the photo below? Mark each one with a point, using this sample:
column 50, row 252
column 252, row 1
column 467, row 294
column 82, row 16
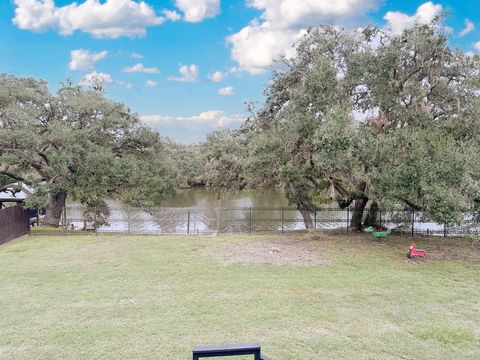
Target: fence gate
column 14, row 222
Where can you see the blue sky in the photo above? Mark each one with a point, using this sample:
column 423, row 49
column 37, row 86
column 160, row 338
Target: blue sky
column 223, row 47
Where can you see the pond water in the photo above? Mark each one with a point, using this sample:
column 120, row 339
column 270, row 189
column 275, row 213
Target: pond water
column 204, row 210
column 201, row 197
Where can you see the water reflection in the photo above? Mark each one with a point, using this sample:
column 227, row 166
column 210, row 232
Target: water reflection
column 205, row 211
column 212, row 198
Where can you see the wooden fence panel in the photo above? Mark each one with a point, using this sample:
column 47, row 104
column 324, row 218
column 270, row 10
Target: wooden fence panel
column 14, row 222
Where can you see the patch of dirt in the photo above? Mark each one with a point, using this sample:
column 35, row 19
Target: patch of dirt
column 277, row 252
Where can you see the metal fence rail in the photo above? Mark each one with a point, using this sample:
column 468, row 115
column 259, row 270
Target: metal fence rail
column 14, row 222
column 77, row 219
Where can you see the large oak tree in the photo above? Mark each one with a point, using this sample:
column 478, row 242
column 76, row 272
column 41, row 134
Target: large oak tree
column 77, row 143
column 366, row 116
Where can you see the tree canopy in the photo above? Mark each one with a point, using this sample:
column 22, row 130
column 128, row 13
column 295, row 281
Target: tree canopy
column 359, row 116
column 78, row 143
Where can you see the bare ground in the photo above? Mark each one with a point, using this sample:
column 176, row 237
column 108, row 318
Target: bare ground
column 277, row 252
column 312, row 249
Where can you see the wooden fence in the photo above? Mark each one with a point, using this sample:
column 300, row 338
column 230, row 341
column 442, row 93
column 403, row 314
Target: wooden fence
column 14, row 222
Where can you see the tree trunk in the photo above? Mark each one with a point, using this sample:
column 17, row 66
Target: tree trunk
column 307, row 217
column 53, row 212
column 357, row 214
column 372, row 216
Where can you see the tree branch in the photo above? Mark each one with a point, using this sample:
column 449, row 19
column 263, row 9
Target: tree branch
column 412, row 205
column 14, row 177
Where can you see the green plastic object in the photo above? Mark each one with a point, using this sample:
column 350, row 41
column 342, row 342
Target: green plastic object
column 381, row 234
column 369, row 229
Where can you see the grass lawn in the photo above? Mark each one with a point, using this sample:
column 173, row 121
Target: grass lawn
column 334, row 297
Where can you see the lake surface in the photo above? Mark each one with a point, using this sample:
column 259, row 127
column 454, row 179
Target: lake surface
column 206, row 211
column 201, row 197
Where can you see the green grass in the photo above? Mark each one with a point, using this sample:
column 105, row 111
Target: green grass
column 51, row 230
column 108, row 297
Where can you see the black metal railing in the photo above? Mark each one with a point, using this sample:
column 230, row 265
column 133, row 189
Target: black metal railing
column 77, row 219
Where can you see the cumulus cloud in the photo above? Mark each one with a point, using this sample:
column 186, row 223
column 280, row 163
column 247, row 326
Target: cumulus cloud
column 85, row 60
column 469, row 27
column 226, row 91
column 102, row 19
column 171, row 15
column 398, row 21
column 151, row 83
column 140, row 68
column 217, row 76
column 256, row 46
column 136, row 56
column 96, row 80
column 124, row 84
column 282, row 21
column 198, row 10
column 189, row 73
column 213, row 118
column 477, row 45
column 288, row 13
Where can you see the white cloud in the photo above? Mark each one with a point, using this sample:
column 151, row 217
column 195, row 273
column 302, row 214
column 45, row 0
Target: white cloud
column 151, row 83
column 140, row 68
column 256, row 45
column 136, row 56
column 226, row 91
column 234, row 70
column 469, row 27
column 213, row 118
column 95, row 79
column 171, row 15
column 85, row 60
column 124, row 84
column 398, row 21
column 189, row 73
column 477, row 45
column 294, row 13
column 102, row 19
column 448, row 30
column 217, row 76
column 198, row 10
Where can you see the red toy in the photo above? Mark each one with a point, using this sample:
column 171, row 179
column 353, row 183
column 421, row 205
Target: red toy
column 414, row 252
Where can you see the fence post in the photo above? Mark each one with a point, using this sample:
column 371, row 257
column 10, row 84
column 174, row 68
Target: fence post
column 95, row 220
column 194, row 225
column 413, row 221
column 282, row 220
column 315, row 219
column 28, row 225
column 348, row 218
column 128, row 220
column 250, row 222
column 64, row 225
column 444, row 230
column 188, row 222
column 380, row 213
